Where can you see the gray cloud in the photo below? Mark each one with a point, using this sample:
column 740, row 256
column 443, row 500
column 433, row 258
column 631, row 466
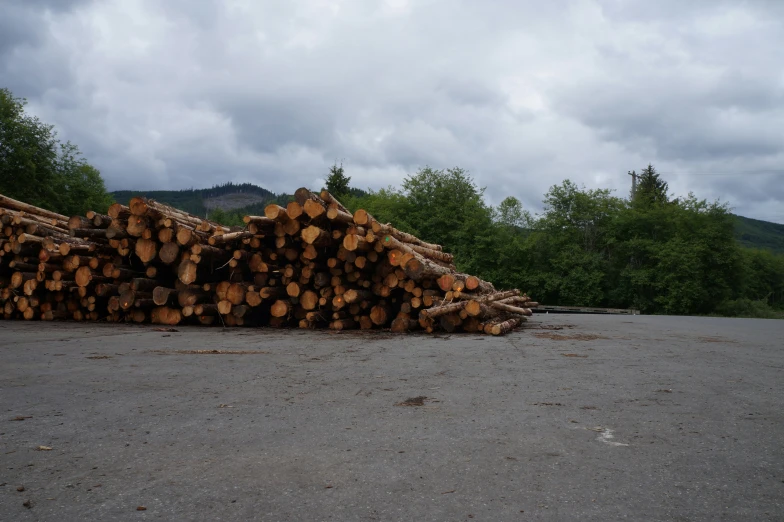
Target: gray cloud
column 522, row 94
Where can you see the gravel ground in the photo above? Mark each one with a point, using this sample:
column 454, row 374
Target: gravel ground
column 571, row 417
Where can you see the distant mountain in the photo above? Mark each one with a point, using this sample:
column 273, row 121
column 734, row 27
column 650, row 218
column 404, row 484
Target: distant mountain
column 245, row 198
column 754, row 233
column 229, row 196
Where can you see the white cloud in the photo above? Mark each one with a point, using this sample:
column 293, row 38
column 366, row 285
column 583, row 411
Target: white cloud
column 522, row 94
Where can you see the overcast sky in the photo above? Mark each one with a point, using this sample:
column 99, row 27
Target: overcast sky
column 522, row 94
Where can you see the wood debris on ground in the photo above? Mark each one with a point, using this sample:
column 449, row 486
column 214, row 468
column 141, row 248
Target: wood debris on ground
column 311, row 264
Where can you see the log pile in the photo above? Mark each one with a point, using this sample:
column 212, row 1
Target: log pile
column 311, row 264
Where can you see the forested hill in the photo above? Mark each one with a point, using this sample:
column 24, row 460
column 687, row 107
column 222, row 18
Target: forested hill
column 754, row 233
column 228, row 197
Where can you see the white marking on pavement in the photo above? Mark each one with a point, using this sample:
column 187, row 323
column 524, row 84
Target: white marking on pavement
column 606, row 436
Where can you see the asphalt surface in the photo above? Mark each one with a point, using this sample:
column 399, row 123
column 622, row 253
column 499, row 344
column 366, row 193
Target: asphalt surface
column 572, row 417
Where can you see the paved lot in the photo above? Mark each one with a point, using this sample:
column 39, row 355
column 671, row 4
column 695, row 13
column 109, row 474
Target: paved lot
column 573, row 417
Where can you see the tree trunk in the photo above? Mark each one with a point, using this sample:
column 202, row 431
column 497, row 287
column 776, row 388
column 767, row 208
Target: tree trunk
column 418, row 268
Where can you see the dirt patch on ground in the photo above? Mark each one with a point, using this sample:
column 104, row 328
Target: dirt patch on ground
column 413, row 401
column 567, row 337
column 539, row 326
column 208, row 352
column 715, row 340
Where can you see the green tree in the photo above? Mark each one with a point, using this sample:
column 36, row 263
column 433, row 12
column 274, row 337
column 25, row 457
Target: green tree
column 674, row 258
column 570, row 248
column 83, row 187
column 337, row 181
column 37, row 169
column 28, row 155
column 446, row 207
column 439, row 206
column 651, row 188
column 510, row 213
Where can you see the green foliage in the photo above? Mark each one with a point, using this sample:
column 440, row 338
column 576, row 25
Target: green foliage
column 510, row 213
column 83, row 187
column 229, row 218
column 760, row 277
column 651, row 189
column 590, row 247
column 337, row 181
column 446, row 207
column 37, row 169
column 745, row 307
column 570, row 245
column 678, row 257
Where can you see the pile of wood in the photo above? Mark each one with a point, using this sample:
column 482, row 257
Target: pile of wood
column 311, row 264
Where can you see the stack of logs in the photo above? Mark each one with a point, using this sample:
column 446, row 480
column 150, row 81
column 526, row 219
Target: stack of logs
column 310, row 264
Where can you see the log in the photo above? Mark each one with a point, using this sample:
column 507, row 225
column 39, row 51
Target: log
column 316, row 236
column 260, row 221
column 354, row 295
column 309, row 300
column 353, row 242
column 7, row 202
column 418, row 268
column 331, row 200
column 404, row 237
column 146, row 249
column 340, row 216
column 187, row 272
column 187, row 236
column 474, row 283
column 281, row 308
column 293, row 289
column 294, row 210
column 503, row 327
column 253, row 298
column 390, row 241
column 169, row 253
column 230, row 237
column 496, row 296
column 403, row 323
column 450, row 322
column 447, row 308
column 379, row 314
column 136, row 226
column 166, row 316
column 275, row 213
column 314, row 208
column 362, row 217
column 164, row 296
column 511, row 309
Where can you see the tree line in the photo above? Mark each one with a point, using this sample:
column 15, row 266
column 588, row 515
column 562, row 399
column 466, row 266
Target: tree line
column 652, row 252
